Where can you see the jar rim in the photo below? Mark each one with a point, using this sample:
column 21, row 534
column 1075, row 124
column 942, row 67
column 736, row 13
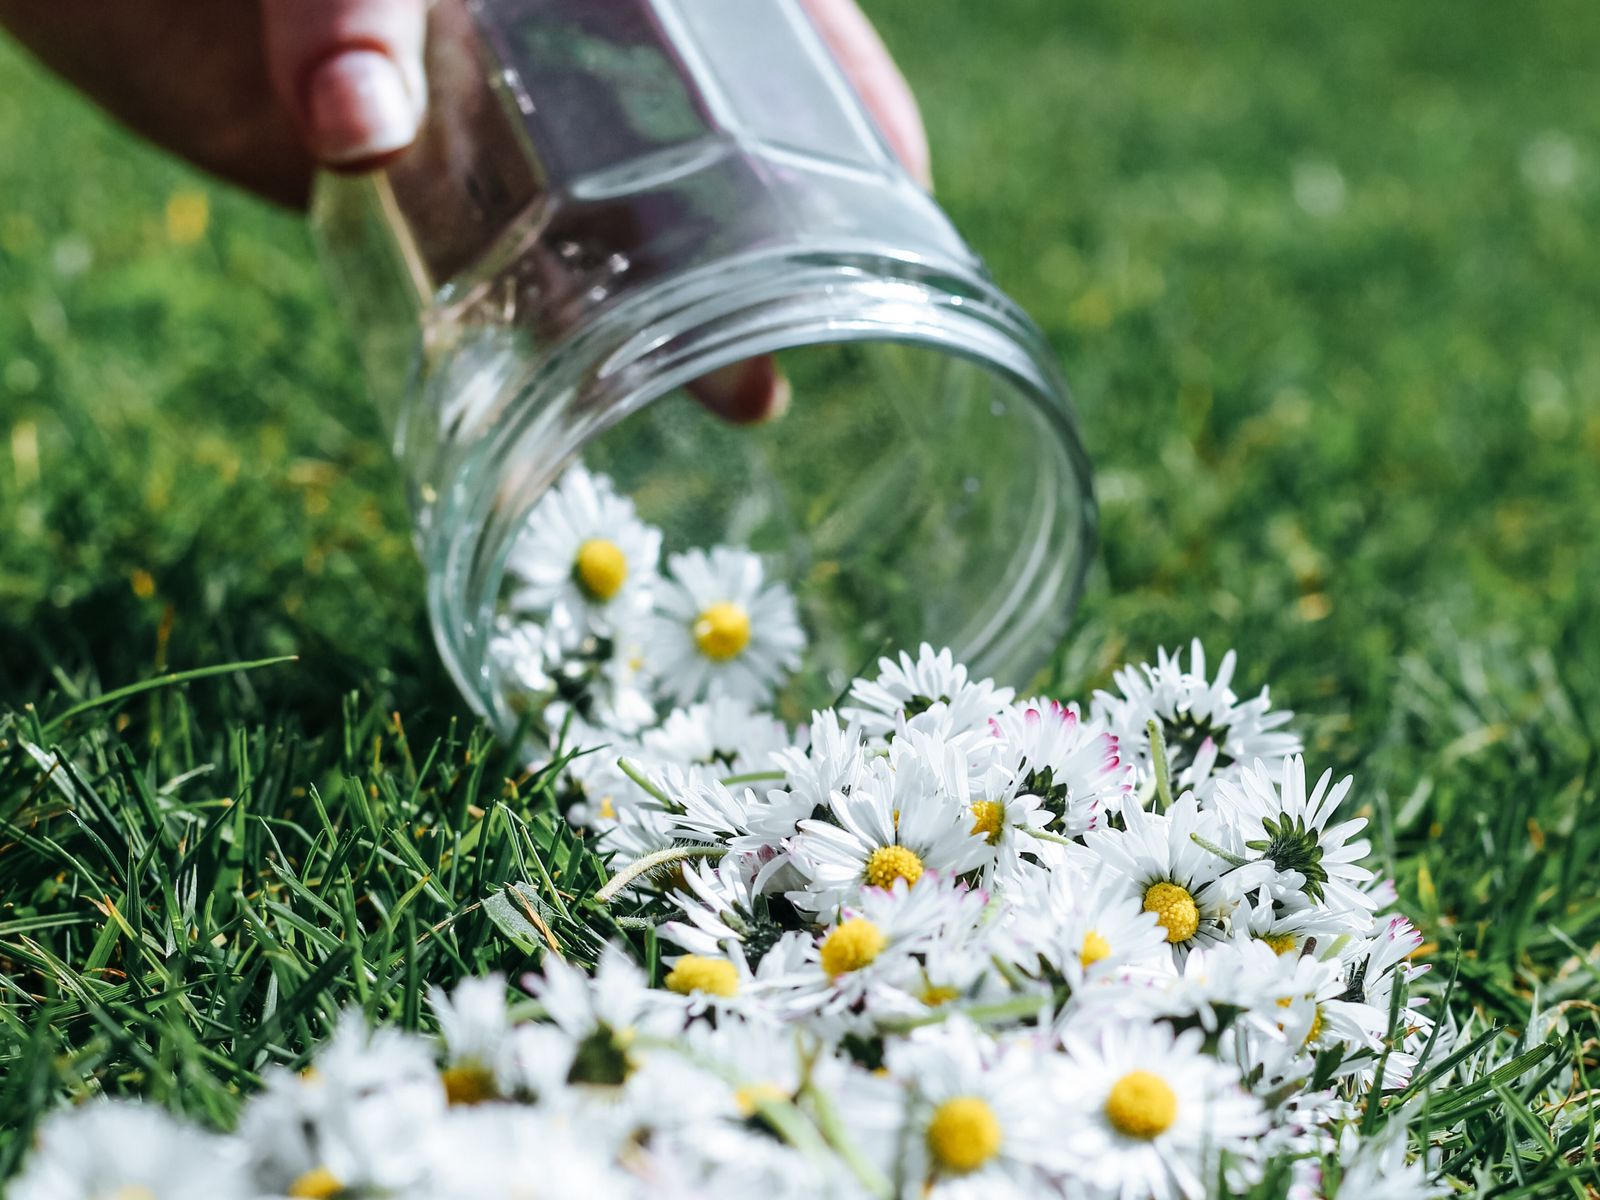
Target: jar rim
column 682, row 328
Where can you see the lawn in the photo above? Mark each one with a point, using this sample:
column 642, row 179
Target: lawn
column 1324, row 281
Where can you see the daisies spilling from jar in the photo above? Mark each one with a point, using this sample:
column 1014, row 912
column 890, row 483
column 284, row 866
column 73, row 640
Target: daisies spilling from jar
column 940, row 943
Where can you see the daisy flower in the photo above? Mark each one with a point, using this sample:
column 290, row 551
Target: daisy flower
column 1317, row 1010
column 356, row 1121
column 724, row 909
column 721, row 630
column 726, row 735
column 1206, row 727
column 601, row 1016
column 1083, row 925
column 1286, row 826
column 831, row 759
column 873, row 945
column 585, row 554
column 1191, row 890
column 1073, row 766
column 1379, row 1168
column 1152, row 1112
column 907, row 688
column 982, row 1116
column 506, row 1152
column 474, row 1022
column 895, row 824
column 104, row 1150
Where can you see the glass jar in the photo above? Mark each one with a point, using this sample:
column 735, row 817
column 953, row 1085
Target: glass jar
column 613, row 198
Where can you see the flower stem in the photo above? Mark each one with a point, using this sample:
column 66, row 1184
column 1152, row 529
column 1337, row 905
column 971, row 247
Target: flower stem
column 1226, row 856
column 639, row 777
column 833, row 1131
column 1044, row 835
column 651, row 862
column 1160, row 763
column 754, row 777
column 1000, row 1010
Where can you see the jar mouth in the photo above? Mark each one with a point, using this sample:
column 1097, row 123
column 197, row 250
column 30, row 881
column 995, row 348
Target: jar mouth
column 652, row 344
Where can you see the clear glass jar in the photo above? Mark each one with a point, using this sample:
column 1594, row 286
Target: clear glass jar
column 613, row 198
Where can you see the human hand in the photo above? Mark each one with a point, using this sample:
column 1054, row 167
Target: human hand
column 262, row 92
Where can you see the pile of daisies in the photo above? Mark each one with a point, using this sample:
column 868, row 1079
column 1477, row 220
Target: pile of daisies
column 941, row 942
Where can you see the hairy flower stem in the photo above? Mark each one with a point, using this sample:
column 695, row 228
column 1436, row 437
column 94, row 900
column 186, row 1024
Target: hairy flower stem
column 1226, row 856
column 1160, row 763
column 652, row 862
column 1044, row 835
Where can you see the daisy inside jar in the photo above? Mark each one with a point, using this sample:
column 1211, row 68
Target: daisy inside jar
column 596, row 628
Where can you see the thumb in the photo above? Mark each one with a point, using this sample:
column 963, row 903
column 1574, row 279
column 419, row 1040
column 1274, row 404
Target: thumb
column 349, row 73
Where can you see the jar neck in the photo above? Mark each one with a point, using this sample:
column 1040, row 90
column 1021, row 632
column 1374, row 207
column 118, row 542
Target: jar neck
column 545, row 411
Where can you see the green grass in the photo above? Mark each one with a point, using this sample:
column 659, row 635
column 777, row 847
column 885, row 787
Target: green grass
column 1325, row 282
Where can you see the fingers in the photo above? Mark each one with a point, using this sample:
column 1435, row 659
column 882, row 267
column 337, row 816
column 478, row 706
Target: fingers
column 754, row 391
column 349, row 72
column 745, row 393
column 855, row 43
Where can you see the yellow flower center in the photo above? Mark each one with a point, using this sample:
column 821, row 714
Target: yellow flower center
column 1281, row 943
column 722, row 631
column 888, row 863
column 1175, row 910
column 1095, row 948
column 1315, row 1031
column 696, row 973
column 601, row 568
column 851, row 946
column 319, row 1183
column 608, row 809
column 468, row 1083
column 1141, row 1105
column 134, row 1191
column 935, row 994
column 963, row 1134
column 988, row 818
column 752, row 1096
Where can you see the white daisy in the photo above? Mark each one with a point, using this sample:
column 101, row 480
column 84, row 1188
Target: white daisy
column 475, row 1023
column 1206, row 727
column 1083, row 926
column 602, row 1016
column 727, row 736
column 1074, row 766
column 1313, row 863
column 1380, row 1168
column 721, row 630
column 108, row 1150
column 1191, row 890
column 896, row 823
column 908, row 688
column 873, row 947
column 724, row 909
column 507, row 1152
column 585, row 555
column 1152, row 1112
column 831, row 759
column 985, row 1114
column 356, row 1120
column 1001, row 813
column 596, row 679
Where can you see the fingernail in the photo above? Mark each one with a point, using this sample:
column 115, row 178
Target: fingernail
column 360, row 108
column 745, row 393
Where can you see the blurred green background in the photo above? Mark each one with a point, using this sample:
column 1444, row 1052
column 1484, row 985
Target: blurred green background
column 1325, row 278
